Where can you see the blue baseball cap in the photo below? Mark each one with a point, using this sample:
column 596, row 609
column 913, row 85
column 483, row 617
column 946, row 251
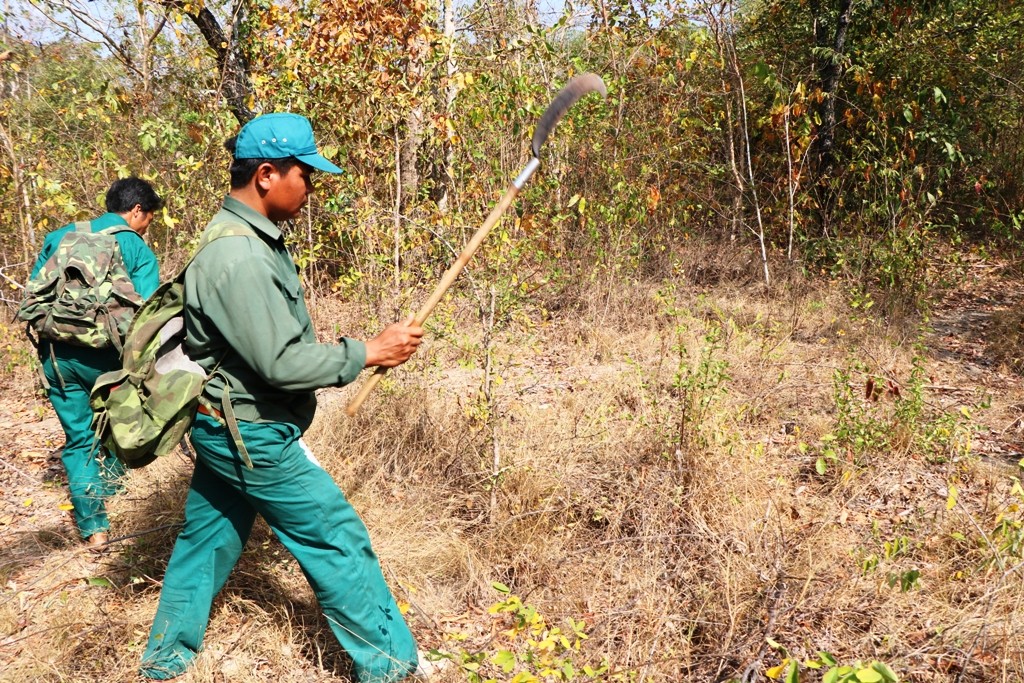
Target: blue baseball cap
column 276, row 136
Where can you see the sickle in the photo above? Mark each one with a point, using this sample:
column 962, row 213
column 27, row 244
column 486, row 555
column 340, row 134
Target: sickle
column 573, row 90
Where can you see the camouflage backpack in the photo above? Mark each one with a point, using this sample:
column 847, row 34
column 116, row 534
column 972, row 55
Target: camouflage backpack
column 144, row 409
column 82, row 295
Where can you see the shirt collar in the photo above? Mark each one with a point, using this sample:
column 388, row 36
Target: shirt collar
column 252, row 217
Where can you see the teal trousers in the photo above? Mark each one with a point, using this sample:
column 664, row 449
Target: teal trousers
column 92, row 475
column 309, row 514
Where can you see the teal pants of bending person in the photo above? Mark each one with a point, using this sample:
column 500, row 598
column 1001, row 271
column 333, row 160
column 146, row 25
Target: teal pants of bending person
column 92, row 475
column 309, row 514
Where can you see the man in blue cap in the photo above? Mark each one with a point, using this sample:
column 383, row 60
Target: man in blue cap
column 248, row 325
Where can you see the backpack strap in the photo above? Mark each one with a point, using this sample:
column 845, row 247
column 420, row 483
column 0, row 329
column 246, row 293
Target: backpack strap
column 217, row 230
column 86, row 226
column 229, row 417
column 212, row 233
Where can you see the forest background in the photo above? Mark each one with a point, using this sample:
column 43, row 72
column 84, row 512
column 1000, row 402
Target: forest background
column 731, row 394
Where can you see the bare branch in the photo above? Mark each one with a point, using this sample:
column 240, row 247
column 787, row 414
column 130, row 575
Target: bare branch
column 81, row 16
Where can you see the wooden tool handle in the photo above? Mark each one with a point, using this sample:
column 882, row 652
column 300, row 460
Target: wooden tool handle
column 449, row 276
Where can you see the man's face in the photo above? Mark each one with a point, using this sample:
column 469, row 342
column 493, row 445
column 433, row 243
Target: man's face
column 287, row 193
column 139, row 220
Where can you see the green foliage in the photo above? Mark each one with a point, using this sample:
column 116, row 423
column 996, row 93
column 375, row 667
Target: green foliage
column 906, row 580
column 530, row 649
column 1008, row 531
column 894, row 551
column 859, row 426
column 921, row 134
column 831, row 671
column 77, row 120
column 876, row 414
column 700, row 377
column 14, row 352
column 924, row 144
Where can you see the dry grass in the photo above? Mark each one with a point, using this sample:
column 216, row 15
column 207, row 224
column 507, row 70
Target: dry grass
column 604, row 480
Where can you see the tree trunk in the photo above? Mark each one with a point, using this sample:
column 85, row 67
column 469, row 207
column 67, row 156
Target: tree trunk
column 234, row 68
column 824, row 156
column 715, row 22
column 829, row 75
column 410, row 175
column 445, row 177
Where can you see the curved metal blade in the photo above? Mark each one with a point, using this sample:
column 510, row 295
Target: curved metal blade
column 573, row 90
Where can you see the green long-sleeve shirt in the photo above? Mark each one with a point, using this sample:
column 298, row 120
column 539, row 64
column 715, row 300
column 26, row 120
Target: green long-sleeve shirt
column 246, row 316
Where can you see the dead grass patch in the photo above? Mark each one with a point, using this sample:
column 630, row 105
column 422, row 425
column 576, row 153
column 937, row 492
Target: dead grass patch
column 604, row 479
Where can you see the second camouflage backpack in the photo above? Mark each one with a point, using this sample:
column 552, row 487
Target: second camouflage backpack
column 144, row 408
column 82, row 294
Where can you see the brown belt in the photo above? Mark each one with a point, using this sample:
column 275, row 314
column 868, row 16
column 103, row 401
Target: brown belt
column 211, row 411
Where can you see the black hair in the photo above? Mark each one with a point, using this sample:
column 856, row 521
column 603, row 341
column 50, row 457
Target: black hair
column 242, row 170
column 125, row 193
